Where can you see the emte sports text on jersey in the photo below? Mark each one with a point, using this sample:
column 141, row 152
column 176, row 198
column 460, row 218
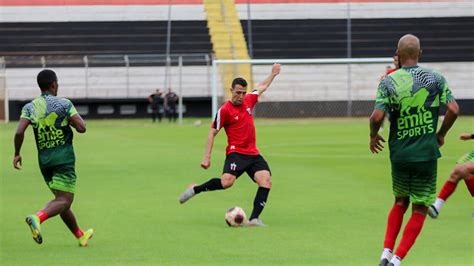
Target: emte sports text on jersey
column 415, row 125
column 50, row 138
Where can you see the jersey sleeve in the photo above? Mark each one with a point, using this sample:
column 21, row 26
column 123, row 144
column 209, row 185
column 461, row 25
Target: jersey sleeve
column 26, row 111
column 71, row 110
column 220, row 119
column 252, row 99
column 382, row 98
column 446, row 96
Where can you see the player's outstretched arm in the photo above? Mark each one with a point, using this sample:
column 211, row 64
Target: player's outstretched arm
column 263, row 86
column 78, row 123
column 206, row 162
column 452, row 112
column 466, row 136
column 18, row 141
column 375, row 139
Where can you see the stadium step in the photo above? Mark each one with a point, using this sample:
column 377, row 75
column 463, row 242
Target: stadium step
column 228, row 40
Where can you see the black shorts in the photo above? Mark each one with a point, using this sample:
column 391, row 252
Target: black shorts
column 236, row 164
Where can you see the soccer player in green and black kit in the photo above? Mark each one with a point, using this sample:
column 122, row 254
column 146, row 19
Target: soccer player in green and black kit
column 412, row 95
column 51, row 117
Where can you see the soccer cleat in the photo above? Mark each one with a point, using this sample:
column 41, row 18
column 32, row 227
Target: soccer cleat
column 187, row 194
column 433, row 212
column 35, row 227
column 395, row 261
column 84, row 239
column 256, row 222
column 386, row 256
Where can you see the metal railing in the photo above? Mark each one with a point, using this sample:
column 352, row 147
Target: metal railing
column 112, row 76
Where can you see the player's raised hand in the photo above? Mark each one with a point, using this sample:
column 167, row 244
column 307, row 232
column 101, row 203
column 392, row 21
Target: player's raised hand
column 276, row 69
column 376, row 143
column 206, row 163
column 17, row 162
column 465, row 136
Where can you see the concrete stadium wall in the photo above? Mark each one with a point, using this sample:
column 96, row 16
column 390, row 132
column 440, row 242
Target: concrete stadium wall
column 329, row 82
column 109, row 82
column 296, row 83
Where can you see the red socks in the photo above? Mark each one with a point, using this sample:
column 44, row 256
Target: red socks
column 78, row 232
column 411, row 232
column 42, row 216
column 447, row 190
column 470, row 184
column 394, row 223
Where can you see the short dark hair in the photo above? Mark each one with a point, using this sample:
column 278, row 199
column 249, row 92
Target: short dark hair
column 46, row 78
column 239, row 81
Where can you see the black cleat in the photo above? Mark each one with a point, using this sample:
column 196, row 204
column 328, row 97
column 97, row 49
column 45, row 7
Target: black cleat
column 433, row 212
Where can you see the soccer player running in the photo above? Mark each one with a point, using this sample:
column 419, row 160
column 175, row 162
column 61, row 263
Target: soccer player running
column 412, row 95
column 235, row 116
column 396, row 65
column 51, row 117
column 464, row 169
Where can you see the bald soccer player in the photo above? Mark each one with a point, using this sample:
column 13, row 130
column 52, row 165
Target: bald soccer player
column 412, row 96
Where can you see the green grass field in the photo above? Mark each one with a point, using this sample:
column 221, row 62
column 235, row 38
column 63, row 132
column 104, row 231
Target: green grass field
column 328, row 205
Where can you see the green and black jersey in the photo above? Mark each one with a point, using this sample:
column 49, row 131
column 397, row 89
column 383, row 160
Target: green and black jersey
column 468, row 157
column 412, row 96
column 49, row 116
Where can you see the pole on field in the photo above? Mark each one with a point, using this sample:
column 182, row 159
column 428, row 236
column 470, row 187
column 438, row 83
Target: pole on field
column 168, row 49
column 180, row 92
column 214, row 88
column 86, row 75
column 208, row 73
column 3, row 80
column 349, row 55
column 43, row 62
column 7, row 100
column 249, row 30
column 127, row 75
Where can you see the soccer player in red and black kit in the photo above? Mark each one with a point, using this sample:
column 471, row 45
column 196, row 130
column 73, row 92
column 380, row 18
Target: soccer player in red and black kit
column 235, row 116
column 396, row 63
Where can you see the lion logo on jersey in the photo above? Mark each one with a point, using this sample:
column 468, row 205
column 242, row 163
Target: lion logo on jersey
column 48, row 121
column 417, row 100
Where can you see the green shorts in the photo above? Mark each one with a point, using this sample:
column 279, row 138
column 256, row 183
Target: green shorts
column 60, row 177
column 416, row 180
column 468, row 157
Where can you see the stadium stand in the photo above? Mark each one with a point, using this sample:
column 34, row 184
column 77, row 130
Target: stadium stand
column 64, row 31
column 445, row 39
column 92, row 38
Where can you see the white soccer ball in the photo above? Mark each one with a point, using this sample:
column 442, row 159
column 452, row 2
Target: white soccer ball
column 235, row 216
column 197, row 123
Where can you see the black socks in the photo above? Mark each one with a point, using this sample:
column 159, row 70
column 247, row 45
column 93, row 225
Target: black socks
column 212, row 184
column 259, row 202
